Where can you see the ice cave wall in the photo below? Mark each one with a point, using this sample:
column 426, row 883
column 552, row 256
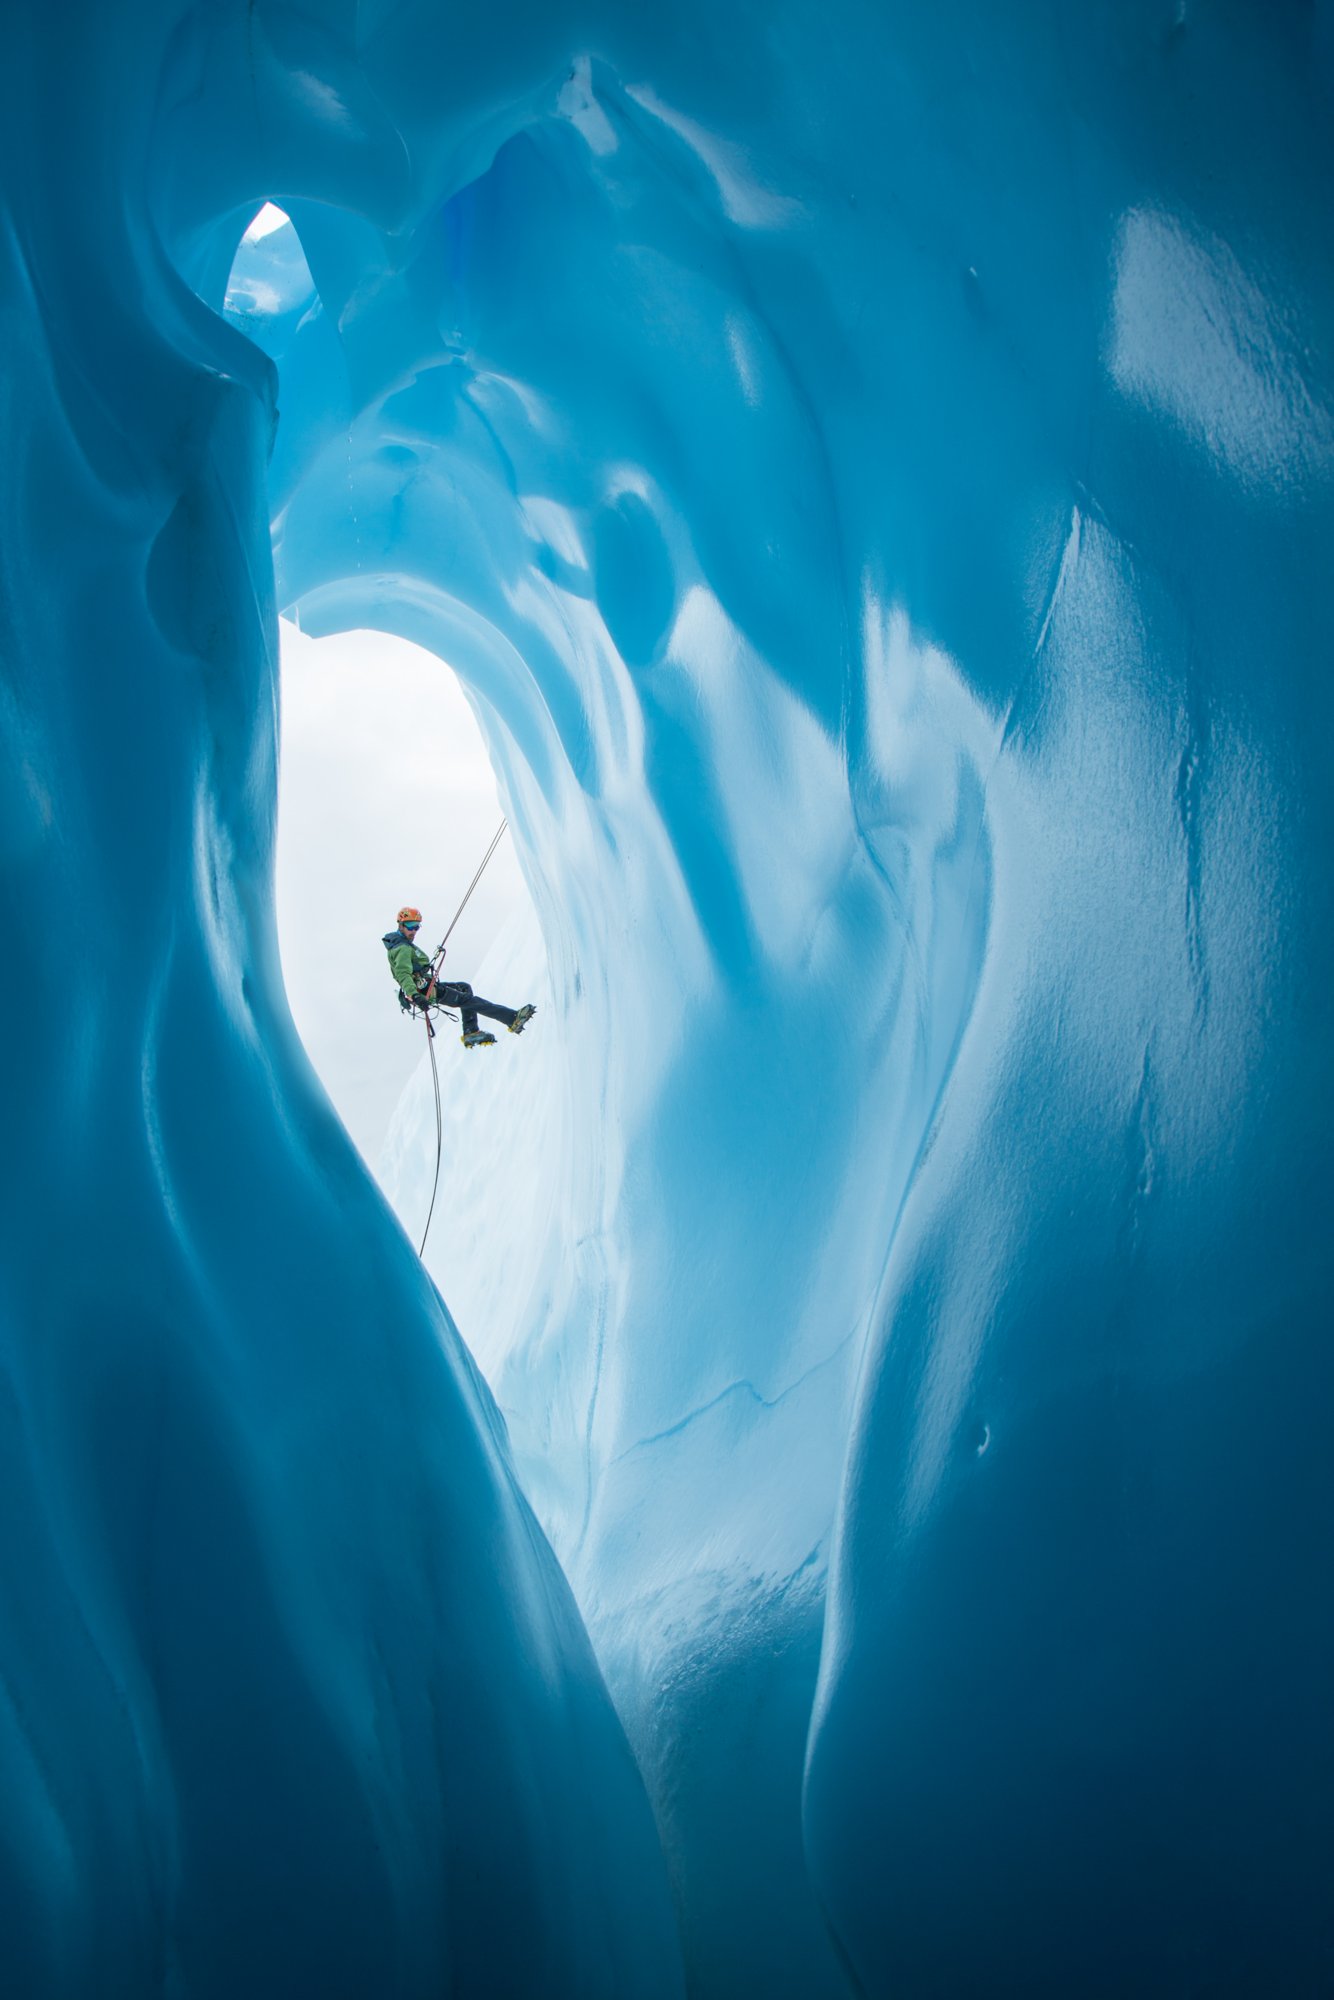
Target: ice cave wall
column 873, row 472
column 293, row 1695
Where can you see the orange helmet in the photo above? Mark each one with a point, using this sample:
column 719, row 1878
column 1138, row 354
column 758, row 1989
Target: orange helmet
column 409, row 918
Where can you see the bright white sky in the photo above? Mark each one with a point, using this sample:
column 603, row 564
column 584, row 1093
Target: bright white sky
column 385, row 797
column 264, row 224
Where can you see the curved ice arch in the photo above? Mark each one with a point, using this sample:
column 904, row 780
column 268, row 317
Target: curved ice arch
column 725, row 898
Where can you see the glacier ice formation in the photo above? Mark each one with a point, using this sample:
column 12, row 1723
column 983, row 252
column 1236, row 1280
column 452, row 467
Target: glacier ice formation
column 872, row 471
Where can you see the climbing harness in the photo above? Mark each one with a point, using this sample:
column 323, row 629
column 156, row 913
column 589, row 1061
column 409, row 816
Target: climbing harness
column 430, row 1031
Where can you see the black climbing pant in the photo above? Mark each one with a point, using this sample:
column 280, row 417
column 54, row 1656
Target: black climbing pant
column 458, row 993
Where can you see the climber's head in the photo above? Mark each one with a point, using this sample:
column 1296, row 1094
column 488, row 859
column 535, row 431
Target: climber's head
column 409, row 920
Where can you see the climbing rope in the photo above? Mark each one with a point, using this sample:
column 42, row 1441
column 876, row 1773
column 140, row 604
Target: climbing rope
column 430, row 1031
column 435, row 1079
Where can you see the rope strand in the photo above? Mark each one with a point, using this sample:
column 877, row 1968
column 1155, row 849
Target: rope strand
column 430, row 1031
column 435, row 1184
column 481, row 870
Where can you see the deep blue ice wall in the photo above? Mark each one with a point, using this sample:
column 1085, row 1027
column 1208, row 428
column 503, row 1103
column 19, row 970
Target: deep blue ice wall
column 874, row 471
column 293, row 1696
column 876, row 474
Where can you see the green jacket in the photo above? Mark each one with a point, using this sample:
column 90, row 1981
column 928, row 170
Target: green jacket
column 410, row 967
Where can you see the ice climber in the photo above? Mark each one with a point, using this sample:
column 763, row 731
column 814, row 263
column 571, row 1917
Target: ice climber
column 412, row 970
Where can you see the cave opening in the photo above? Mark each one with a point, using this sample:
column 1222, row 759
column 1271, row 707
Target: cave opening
column 385, row 796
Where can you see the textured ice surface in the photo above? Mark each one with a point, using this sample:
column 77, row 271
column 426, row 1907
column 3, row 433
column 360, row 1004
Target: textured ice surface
column 872, row 470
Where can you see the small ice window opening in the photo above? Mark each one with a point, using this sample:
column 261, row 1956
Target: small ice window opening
column 270, row 217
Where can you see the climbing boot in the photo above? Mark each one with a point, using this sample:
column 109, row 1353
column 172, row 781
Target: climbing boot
column 521, row 1019
column 478, row 1039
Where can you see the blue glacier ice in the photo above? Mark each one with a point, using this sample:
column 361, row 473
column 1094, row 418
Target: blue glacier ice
column 872, row 471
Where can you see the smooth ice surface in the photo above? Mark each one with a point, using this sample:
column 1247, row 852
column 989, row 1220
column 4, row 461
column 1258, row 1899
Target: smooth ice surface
column 872, row 470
